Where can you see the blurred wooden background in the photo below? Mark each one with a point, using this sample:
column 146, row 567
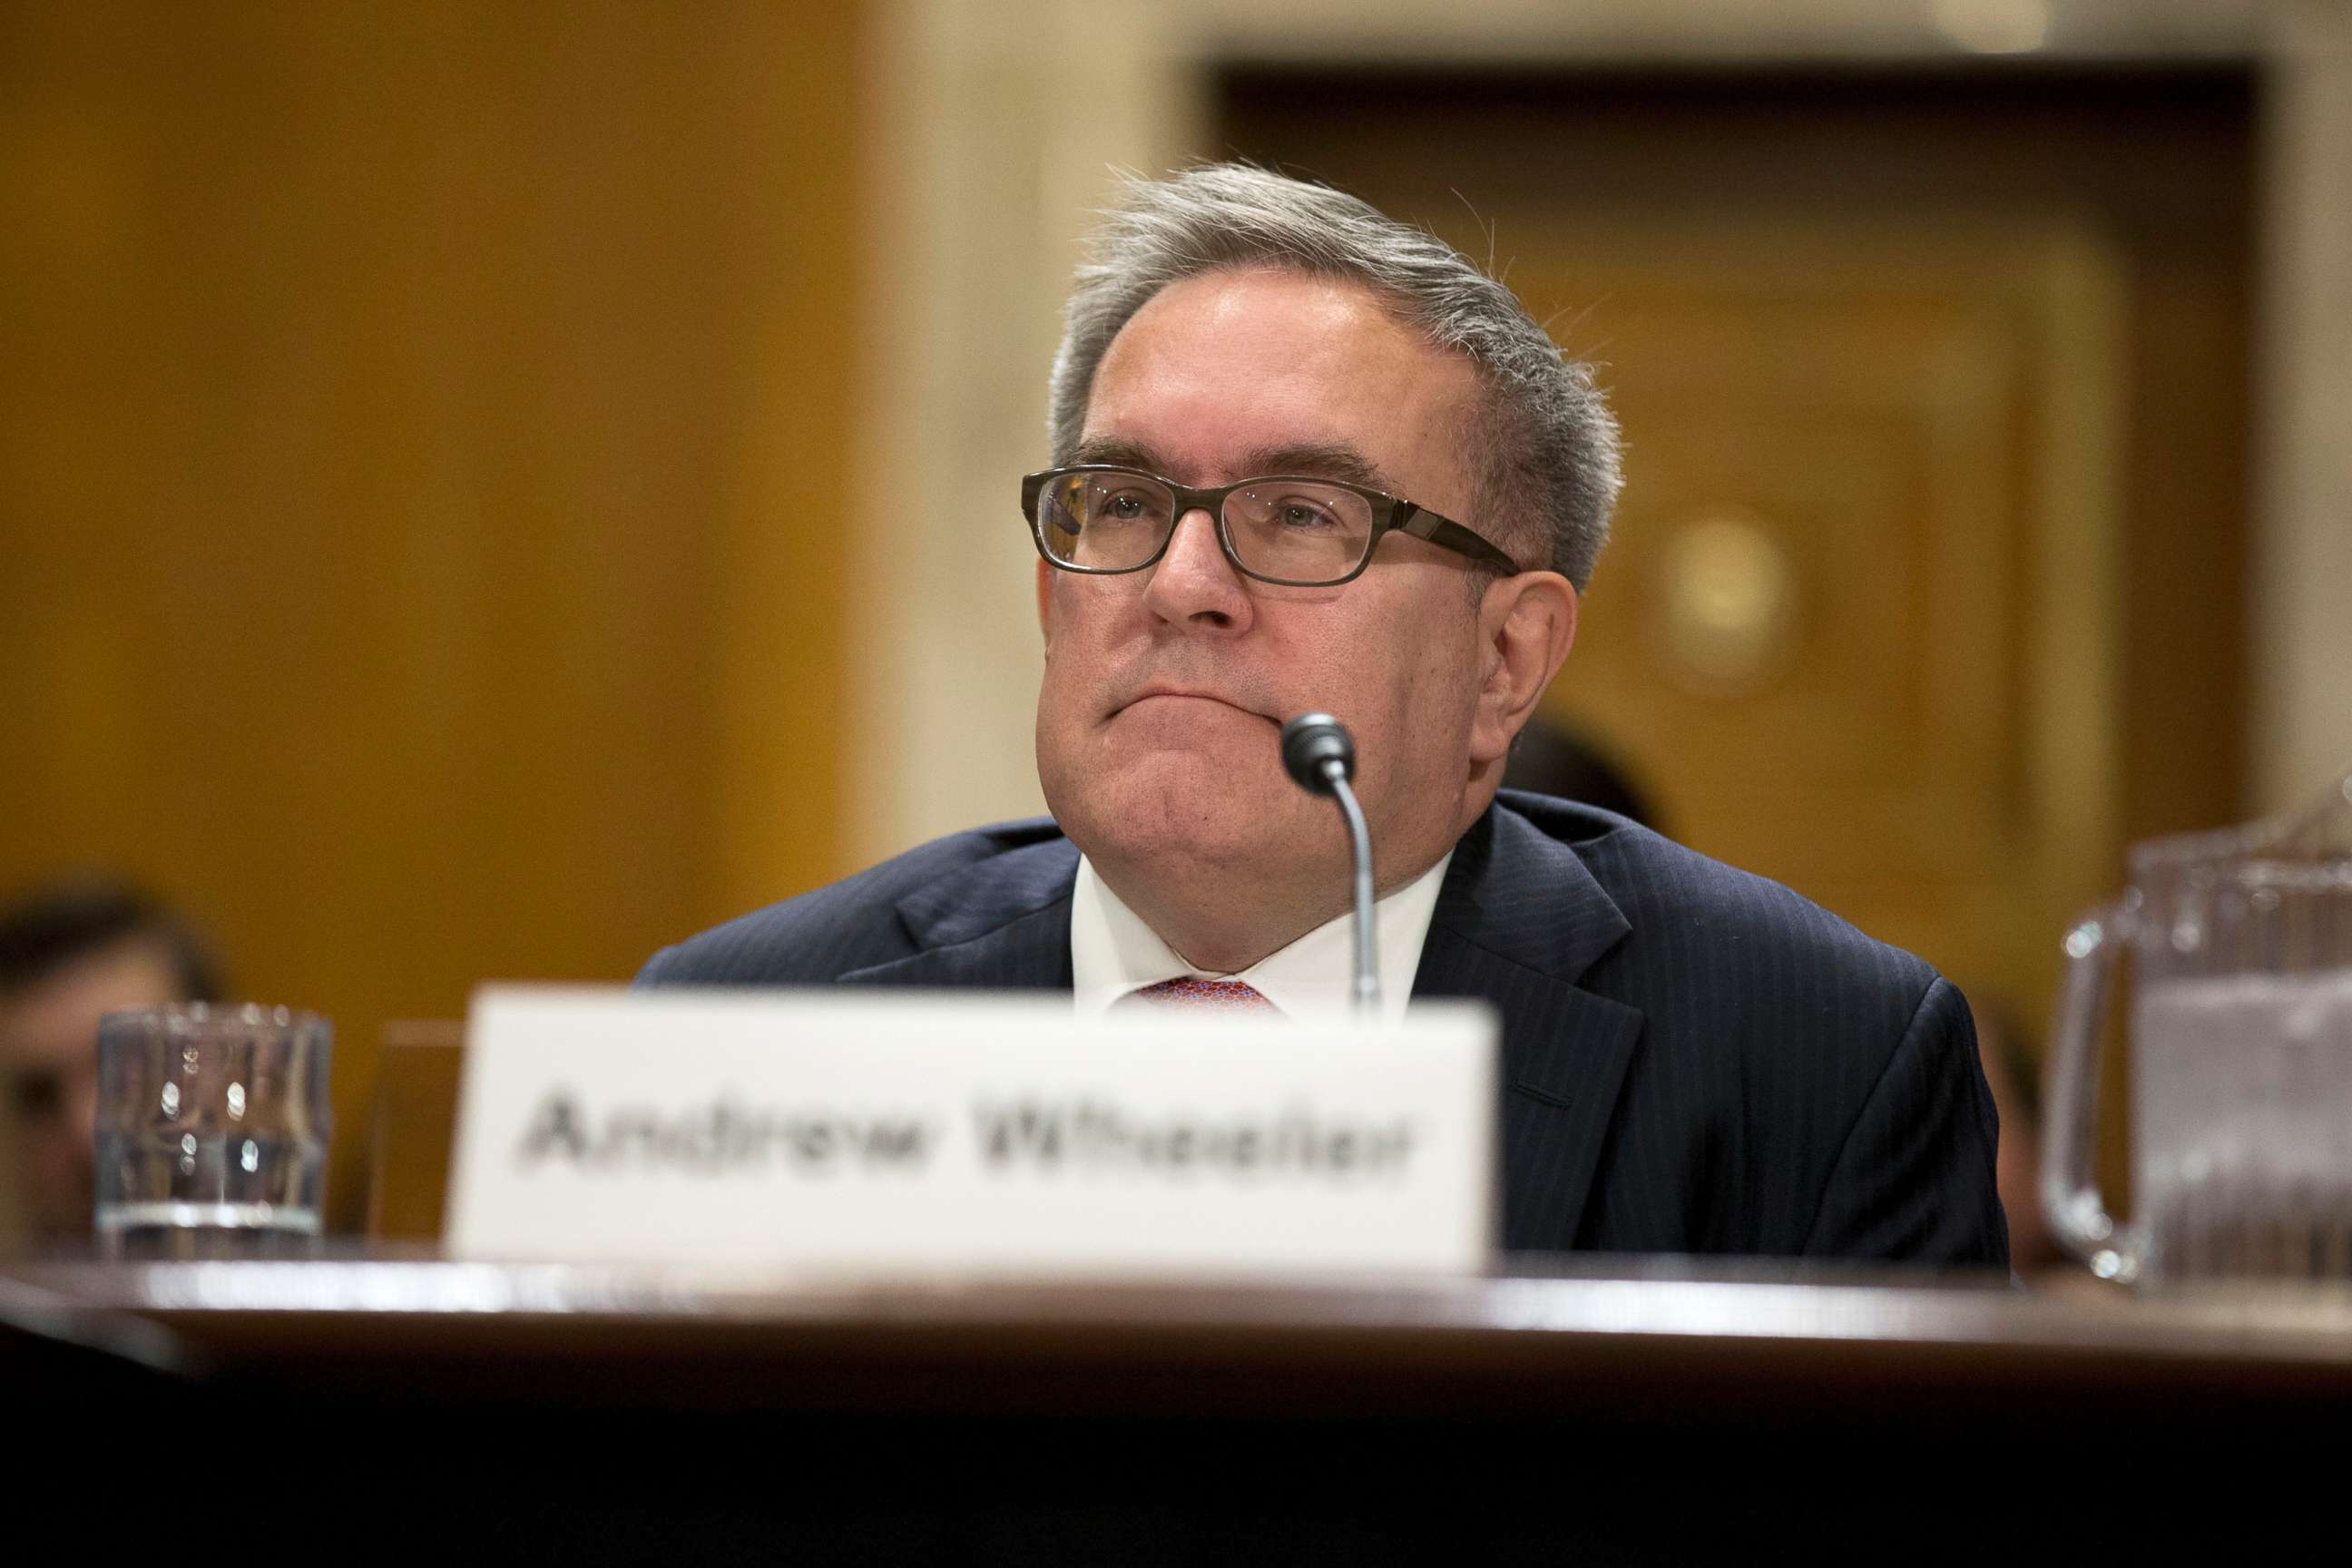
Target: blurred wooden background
column 421, row 434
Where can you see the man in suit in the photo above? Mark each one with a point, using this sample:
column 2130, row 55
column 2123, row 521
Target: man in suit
column 1309, row 458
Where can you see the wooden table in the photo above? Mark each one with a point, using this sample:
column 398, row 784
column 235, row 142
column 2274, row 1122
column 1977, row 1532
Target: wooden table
column 1622, row 1410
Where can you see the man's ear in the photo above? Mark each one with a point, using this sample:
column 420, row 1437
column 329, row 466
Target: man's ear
column 1525, row 625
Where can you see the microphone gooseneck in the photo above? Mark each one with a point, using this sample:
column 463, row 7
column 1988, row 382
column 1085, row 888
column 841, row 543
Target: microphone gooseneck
column 1321, row 759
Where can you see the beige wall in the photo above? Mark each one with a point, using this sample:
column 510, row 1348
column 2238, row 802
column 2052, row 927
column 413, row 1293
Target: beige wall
column 420, row 451
column 2302, row 608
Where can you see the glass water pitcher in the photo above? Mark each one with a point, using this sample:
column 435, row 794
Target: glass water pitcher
column 2240, row 1043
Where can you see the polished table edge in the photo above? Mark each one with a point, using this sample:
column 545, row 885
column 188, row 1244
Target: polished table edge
column 1618, row 1299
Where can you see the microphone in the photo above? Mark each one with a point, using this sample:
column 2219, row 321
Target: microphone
column 1321, row 759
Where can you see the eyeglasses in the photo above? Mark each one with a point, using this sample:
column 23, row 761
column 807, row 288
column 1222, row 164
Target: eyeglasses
column 1294, row 533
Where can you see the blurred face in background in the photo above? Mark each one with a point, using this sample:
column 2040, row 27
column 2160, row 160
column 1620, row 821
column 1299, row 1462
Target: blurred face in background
column 48, row 1067
column 1165, row 689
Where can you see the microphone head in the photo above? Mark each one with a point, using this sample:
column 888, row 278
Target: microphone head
column 1310, row 744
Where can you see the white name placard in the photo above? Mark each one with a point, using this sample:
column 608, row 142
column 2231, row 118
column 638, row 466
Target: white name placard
column 928, row 1132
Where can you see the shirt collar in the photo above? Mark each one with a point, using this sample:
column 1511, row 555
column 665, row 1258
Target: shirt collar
column 1113, row 951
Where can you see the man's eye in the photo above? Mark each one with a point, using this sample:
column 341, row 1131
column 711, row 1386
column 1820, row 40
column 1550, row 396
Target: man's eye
column 1304, row 515
column 1124, row 507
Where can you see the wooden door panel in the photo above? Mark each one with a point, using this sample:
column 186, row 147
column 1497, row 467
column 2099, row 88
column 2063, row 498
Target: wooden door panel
column 1812, row 624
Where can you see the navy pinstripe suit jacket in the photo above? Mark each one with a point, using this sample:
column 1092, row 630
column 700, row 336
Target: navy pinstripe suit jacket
column 1694, row 1060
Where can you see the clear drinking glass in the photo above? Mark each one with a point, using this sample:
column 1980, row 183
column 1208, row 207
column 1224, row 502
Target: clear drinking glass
column 2241, row 1040
column 212, row 1131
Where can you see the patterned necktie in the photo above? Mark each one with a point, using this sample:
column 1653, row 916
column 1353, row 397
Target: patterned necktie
column 1192, row 994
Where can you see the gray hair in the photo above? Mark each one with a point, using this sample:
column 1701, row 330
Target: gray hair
column 1549, row 459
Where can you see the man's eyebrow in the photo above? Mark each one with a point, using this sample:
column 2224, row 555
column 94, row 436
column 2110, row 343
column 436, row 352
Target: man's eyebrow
column 1320, row 460
column 1116, row 453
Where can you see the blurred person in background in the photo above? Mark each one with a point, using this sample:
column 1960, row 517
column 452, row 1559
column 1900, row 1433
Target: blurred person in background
column 2013, row 1070
column 1552, row 759
column 69, row 954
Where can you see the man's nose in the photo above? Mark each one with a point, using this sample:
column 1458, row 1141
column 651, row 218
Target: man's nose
column 1193, row 582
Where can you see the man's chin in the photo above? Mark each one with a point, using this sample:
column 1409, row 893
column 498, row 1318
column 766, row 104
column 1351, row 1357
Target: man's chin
column 1184, row 809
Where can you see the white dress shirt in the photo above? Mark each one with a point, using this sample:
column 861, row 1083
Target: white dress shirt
column 1112, row 953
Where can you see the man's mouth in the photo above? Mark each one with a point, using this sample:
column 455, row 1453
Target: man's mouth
column 1184, row 694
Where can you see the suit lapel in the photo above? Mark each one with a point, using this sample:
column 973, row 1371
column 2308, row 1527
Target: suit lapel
column 1517, row 924
column 1002, row 924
